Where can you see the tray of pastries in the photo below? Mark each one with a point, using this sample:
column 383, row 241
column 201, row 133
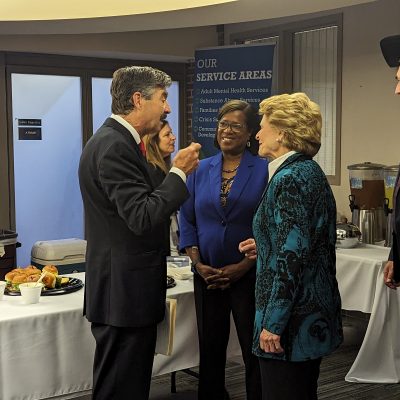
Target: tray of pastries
column 54, row 284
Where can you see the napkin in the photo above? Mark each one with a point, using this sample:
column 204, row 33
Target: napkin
column 166, row 329
column 180, row 273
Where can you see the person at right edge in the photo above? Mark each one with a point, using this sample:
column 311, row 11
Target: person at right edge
column 224, row 192
column 298, row 308
column 391, row 274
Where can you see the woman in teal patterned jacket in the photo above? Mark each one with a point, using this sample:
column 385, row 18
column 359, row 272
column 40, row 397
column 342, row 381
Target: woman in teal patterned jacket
column 298, row 307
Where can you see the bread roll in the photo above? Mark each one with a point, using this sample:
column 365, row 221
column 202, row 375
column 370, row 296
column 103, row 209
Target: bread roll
column 49, row 280
column 51, row 268
column 10, row 275
column 33, row 278
column 17, row 280
column 31, row 270
column 18, row 269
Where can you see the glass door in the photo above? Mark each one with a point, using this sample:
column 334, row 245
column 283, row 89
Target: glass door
column 47, row 142
column 101, row 101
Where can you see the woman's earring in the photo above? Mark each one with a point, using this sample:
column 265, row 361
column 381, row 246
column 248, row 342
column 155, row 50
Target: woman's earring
column 248, row 144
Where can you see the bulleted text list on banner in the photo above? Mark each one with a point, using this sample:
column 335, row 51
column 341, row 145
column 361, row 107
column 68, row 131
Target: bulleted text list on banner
column 224, row 73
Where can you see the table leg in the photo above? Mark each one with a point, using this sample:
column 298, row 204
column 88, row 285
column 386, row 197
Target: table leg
column 191, row 373
column 173, row 382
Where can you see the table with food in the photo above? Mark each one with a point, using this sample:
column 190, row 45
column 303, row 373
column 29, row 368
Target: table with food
column 50, row 344
column 53, row 283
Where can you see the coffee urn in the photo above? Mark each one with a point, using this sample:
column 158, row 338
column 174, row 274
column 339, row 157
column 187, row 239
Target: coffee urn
column 367, row 199
column 389, row 175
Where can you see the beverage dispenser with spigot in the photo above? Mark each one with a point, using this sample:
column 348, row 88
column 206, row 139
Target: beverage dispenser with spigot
column 367, row 199
column 389, row 174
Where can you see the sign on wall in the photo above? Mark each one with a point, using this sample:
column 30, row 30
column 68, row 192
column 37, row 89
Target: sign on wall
column 29, row 129
column 226, row 73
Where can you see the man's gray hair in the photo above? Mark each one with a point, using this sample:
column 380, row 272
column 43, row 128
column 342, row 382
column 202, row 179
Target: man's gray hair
column 128, row 80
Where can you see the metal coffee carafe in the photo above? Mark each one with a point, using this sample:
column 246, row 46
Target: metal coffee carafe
column 389, row 175
column 367, row 226
column 367, row 199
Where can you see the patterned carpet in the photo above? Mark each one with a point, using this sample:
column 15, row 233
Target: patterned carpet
column 331, row 383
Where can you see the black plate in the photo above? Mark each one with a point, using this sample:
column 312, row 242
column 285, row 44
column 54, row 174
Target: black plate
column 170, row 282
column 73, row 285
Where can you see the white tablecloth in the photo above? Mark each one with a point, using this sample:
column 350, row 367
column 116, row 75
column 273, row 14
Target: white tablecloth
column 357, row 273
column 360, row 277
column 46, row 349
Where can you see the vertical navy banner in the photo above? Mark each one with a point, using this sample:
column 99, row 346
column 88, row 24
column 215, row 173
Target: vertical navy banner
column 226, row 73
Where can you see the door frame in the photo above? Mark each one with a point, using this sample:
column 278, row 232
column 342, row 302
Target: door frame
column 50, row 64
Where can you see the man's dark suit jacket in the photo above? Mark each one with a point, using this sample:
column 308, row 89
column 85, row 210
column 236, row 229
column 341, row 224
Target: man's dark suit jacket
column 395, row 251
column 125, row 217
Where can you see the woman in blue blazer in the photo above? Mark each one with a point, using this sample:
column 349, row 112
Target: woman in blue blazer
column 224, row 192
column 298, row 308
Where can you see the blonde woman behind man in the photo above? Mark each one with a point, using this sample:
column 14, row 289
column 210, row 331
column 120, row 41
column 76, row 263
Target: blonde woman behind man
column 159, row 146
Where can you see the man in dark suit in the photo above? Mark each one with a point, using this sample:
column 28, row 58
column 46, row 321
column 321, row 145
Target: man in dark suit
column 125, row 217
column 391, row 51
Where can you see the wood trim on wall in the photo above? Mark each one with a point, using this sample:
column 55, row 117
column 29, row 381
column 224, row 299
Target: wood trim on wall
column 5, row 221
column 176, row 70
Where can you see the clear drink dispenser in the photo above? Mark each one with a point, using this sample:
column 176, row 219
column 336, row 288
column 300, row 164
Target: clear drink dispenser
column 389, row 175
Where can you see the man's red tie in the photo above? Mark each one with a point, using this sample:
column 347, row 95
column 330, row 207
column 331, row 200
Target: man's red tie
column 142, row 148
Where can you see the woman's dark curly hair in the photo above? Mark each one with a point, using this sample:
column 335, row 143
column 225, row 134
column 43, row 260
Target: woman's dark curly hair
column 252, row 121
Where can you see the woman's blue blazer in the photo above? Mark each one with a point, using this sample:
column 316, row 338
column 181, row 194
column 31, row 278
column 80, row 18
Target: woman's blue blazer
column 217, row 230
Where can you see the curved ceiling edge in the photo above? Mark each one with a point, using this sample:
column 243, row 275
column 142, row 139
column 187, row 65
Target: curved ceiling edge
column 227, row 13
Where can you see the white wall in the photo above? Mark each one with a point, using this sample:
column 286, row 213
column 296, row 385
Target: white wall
column 370, row 110
column 162, row 45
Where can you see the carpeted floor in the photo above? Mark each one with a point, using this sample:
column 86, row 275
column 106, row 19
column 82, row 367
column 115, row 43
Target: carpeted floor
column 331, row 383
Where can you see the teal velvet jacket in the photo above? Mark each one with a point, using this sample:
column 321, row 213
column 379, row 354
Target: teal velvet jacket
column 297, row 295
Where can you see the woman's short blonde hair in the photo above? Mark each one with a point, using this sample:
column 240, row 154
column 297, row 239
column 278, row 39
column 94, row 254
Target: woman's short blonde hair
column 297, row 118
column 153, row 152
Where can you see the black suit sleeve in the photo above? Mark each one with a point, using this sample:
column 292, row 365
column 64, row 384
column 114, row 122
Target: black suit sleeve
column 122, row 178
column 394, row 256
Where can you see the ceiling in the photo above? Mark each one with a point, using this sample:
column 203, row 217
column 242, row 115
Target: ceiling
column 100, row 16
column 17, row 10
